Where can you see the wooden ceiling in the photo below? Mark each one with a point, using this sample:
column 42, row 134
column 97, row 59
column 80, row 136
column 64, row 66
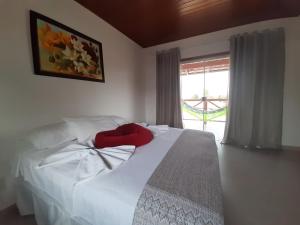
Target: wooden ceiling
column 152, row 22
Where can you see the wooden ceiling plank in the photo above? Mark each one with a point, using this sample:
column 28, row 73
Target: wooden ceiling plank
column 201, row 8
column 152, row 22
column 201, row 3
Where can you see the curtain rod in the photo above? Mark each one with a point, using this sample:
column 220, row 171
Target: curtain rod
column 205, row 56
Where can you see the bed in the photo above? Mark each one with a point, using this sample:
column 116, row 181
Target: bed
column 114, row 198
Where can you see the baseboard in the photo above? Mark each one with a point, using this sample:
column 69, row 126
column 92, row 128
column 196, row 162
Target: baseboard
column 294, row 148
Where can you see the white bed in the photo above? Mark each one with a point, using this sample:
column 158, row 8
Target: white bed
column 108, row 199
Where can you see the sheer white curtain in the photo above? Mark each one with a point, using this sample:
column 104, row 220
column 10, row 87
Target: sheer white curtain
column 256, row 89
column 168, row 106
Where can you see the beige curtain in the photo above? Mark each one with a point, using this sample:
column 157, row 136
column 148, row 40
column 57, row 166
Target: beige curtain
column 256, row 89
column 168, row 104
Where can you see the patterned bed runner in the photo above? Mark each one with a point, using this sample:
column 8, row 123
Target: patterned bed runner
column 185, row 188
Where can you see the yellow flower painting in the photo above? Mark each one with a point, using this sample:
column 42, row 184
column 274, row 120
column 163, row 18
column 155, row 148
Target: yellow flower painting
column 63, row 52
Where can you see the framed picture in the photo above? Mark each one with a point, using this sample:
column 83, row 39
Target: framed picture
column 60, row 51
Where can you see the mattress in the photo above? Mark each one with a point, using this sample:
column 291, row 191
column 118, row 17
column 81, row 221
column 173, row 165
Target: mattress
column 108, row 199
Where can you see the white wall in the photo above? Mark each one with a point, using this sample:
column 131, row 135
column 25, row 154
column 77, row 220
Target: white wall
column 219, row 42
column 28, row 100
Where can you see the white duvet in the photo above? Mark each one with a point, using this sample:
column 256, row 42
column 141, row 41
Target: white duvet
column 106, row 199
column 91, row 161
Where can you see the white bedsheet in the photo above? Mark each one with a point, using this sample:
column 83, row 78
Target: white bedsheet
column 108, row 199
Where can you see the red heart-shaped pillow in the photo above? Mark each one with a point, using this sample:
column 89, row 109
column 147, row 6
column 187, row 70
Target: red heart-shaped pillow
column 128, row 134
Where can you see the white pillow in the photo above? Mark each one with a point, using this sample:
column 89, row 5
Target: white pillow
column 86, row 128
column 158, row 129
column 50, row 136
column 119, row 120
column 143, row 124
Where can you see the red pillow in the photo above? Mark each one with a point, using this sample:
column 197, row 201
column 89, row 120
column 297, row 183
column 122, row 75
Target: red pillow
column 128, row 134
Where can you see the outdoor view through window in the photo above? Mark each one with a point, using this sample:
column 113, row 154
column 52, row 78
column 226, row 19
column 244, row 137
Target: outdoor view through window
column 204, row 93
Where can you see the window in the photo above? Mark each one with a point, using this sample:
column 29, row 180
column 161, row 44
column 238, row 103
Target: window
column 204, row 93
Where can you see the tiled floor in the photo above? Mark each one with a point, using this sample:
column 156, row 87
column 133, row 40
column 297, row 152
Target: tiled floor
column 260, row 188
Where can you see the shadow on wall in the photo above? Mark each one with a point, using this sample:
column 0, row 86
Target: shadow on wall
column 7, row 153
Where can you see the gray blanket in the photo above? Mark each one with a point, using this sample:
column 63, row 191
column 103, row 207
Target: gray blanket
column 185, row 188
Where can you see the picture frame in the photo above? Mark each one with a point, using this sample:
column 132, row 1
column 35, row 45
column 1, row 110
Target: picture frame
column 60, row 51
